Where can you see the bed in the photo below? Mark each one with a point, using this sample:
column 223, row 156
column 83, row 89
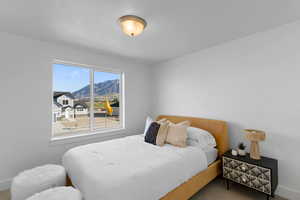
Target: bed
column 129, row 168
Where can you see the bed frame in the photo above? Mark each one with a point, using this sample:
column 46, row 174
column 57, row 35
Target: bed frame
column 187, row 189
column 219, row 130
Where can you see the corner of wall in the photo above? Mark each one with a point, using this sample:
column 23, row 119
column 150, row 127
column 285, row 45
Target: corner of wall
column 5, row 184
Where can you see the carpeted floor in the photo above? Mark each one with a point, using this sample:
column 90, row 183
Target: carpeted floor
column 4, row 195
column 216, row 190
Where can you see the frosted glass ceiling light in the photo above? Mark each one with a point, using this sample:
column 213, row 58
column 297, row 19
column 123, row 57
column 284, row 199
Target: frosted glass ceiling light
column 132, row 25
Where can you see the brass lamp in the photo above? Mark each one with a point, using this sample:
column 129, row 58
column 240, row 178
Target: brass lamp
column 254, row 136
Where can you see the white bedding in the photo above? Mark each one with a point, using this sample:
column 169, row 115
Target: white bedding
column 211, row 154
column 130, row 169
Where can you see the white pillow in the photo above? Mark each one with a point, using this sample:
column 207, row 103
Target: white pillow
column 149, row 121
column 200, row 137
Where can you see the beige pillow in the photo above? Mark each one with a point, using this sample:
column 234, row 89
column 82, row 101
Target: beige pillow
column 162, row 120
column 177, row 133
column 186, row 122
column 162, row 134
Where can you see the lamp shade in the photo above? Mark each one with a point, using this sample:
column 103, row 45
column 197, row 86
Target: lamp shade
column 255, row 135
column 132, row 25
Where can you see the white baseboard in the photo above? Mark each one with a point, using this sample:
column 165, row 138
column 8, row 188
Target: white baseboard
column 5, row 184
column 288, row 193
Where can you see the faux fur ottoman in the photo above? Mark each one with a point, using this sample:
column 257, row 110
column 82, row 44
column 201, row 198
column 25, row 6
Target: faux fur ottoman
column 37, row 180
column 58, row 193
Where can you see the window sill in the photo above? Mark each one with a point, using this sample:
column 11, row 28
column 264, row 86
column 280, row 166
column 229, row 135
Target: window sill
column 103, row 134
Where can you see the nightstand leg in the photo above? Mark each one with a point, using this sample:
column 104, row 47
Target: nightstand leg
column 268, row 197
column 227, row 184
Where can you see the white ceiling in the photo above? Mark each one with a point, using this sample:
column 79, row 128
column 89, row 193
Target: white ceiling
column 175, row 27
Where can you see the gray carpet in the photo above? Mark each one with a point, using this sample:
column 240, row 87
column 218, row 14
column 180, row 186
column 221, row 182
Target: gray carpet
column 216, row 190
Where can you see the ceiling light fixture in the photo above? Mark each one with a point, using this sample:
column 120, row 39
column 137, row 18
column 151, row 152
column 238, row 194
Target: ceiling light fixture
column 132, row 25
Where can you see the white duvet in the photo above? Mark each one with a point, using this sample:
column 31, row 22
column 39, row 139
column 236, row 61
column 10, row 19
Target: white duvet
column 130, row 169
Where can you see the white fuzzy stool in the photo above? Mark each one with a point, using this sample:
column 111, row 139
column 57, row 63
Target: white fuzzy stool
column 37, row 180
column 58, row 193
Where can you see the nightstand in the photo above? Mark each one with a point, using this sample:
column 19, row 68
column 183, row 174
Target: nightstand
column 261, row 175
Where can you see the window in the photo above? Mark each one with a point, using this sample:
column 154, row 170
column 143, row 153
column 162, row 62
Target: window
column 65, row 102
column 80, row 109
column 85, row 100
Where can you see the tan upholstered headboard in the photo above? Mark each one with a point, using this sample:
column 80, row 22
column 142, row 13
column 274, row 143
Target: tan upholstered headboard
column 216, row 127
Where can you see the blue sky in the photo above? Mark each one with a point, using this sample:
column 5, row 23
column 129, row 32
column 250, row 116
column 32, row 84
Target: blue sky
column 70, row 78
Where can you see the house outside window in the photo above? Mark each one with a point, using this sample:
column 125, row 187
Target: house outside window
column 85, row 100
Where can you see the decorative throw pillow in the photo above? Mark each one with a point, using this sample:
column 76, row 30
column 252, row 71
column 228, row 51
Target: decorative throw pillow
column 177, row 133
column 149, row 121
column 162, row 133
column 152, row 132
column 162, row 120
column 186, row 122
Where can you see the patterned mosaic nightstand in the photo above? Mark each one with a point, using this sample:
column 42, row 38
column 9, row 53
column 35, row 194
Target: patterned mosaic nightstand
column 261, row 175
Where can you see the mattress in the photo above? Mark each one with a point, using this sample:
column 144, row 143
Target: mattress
column 130, row 169
column 211, row 154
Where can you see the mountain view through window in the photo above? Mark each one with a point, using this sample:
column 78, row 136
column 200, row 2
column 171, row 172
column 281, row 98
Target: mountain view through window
column 79, row 108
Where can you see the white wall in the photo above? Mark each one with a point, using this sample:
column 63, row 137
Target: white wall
column 25, row 88
column 253, row 82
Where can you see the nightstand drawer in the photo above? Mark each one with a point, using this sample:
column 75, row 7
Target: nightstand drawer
column 253, row 170
column 256, row 177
